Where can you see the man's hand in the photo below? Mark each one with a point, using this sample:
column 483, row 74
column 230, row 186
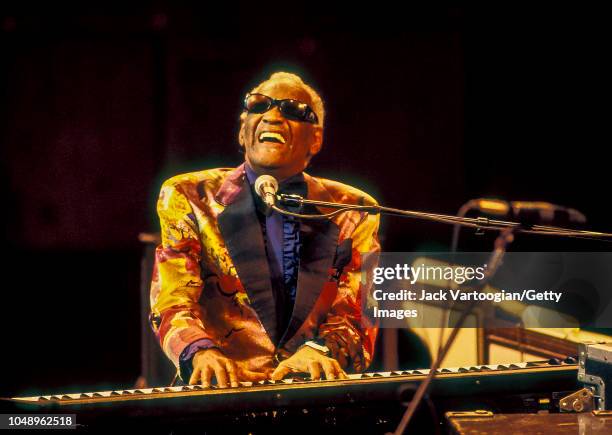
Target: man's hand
column 309, row 360
column 211, row 362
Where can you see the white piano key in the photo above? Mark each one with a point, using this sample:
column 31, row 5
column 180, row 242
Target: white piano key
column 31, row 399
column 175, row 389
column 450, row 369
column 101, row 393
column 489, row 366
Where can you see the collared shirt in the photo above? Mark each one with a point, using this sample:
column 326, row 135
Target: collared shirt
column 282, row 240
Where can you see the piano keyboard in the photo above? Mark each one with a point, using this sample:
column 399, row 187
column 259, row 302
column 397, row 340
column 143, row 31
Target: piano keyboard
column 478, row 373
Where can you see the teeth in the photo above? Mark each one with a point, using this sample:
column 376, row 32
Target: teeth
column 267, row 135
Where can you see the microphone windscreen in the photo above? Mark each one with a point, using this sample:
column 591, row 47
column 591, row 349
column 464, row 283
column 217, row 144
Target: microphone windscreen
column 264, row 181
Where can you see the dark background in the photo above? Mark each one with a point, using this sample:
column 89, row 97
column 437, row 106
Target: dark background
column 427, row 108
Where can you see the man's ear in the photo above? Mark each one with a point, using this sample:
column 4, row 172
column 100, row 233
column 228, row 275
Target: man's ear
column 241, row 140
column 317, row 143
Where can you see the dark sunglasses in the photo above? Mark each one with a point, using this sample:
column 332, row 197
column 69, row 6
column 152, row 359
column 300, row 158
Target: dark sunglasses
column 290, row 109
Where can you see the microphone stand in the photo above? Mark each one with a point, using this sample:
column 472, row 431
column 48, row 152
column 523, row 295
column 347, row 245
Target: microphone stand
column 507, row 231
column 480, row 223
column 495, row 261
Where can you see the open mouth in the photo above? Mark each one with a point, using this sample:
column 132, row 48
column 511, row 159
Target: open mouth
column 271, row 136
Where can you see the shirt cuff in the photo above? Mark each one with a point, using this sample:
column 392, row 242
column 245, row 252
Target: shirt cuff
column 186, row 358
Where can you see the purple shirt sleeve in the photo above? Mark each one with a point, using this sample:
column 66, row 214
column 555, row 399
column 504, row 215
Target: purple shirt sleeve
column 185, row 360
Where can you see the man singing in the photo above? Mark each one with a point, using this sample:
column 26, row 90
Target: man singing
column 242, row 294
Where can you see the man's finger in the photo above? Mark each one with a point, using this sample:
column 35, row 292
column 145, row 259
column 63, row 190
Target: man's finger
column 341, row 373
column 207, row 375
column 221, row 376
column 281, row 371
column 315, row 370
column 328, row 368
column 251, row 376
column 195, row 376
column 230, row 366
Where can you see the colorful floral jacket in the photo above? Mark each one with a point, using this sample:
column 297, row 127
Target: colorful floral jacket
column 211, row 277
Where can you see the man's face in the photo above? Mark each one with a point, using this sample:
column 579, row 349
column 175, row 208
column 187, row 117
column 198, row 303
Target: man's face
column 276, row 145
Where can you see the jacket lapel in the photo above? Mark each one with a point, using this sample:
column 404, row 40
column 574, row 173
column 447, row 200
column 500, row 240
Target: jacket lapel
column 319, row 238
column 240, row 228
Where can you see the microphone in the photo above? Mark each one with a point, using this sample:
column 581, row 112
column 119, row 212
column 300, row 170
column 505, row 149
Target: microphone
column 530, row 212
column 266, row 187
